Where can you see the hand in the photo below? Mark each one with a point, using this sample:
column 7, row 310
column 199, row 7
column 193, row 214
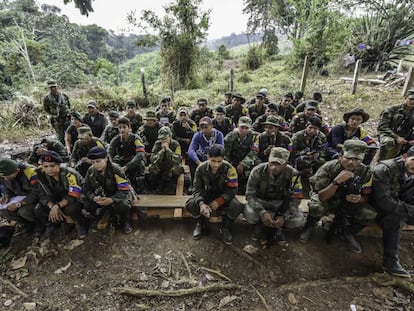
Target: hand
column 205, row 210
column 279, row 221
column 401, row 140
column 240, row 169
column 267, row 220
column 353, row 198
column 86, row 160
column 12, row 207
column 185, row 124
column 343, row 176
column 105, row 201
column 97, row 198
column 4, row 199
column 214, row 205
column 165, row 145
column 56, row 214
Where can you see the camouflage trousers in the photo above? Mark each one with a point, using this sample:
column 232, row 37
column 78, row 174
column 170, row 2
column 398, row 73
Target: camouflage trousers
column 362, row 212
column 25, row 212
column 294, row 217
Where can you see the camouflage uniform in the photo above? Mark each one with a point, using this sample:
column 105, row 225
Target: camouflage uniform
column 300, row 120
column 149, row 135
column 277, row 140
column 49, row 144
column 225, row 127
column 256, row 111
column 58, row 107
column 259, row 127
column 266, row 192
column 197, row 114
column 135, row 121
column 234, row 113
column 166, row 118
column 286, row 113
column 80, row 150
column 109, row 133
column 97, row 123
column 302, row 145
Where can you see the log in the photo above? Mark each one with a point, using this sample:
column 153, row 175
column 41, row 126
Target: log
column 137, row 292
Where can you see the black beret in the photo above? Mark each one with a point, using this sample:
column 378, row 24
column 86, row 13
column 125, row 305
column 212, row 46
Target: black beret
column 273, row 106
column 316, row 121
column 51, row 156
column 221, row 109
column 97, row 153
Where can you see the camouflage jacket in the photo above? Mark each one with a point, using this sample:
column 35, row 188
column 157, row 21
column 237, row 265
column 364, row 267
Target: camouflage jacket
column 168, row 159
column 109, row 133
column 221, row 186
column 286, row 113
column 180, row 132
column 242, row 151
column 234, row 113
column 113, row 183
column 97, row 123
column 300, row 121
column 277, row 140
column 225, row 127
column 302, row 144
column 57, row 106
column 130, row 151
column 255, row 111
column 388, row 183
column 197, row 114
column 135, row 121
column 263, row 185
column 80, row 149
column 394, row 121
column 51, row 144
column 149, row 135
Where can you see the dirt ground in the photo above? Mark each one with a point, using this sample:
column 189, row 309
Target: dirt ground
column 161, row 255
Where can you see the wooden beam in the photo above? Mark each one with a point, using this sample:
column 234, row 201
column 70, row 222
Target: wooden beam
column 355, row 78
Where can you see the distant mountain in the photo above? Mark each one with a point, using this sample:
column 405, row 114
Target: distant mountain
column 233, row 40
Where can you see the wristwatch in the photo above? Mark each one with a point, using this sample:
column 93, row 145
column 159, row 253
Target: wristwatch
column 18, row 204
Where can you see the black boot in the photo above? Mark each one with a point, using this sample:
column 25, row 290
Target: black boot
column 392, row 265
column 258, row 232
column 280, row 237
column 353, row 243
column 307, row 230
column 225, row 231
column 81, row 229
column 200, row 228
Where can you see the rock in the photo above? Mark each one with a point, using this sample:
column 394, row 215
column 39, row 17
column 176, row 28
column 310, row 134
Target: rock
column 29, row 305
column 8, row 303
column 226, row 300
column 72, row 244
column 18, row 263
column 156, row 256
column 63, row 269
column 292, row 299
column 98, row 263
column 250, row 249
column 165, row 284
column 143, row 277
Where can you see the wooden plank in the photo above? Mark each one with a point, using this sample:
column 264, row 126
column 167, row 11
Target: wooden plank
column 408, row 82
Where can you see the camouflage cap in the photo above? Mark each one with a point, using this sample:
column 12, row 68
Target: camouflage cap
column 272, row 120
column 91, row 104
column 164, row 132
column 221, row 109
column 84, row 131
column 354, row 148
column 51, row 83
column 310, row 106
column 131, row 103
column 263, row 91
column 245, row 121
column 410, row 94
column 8, row 167
column 113, row 114
column 150, row 115
column 279, row 155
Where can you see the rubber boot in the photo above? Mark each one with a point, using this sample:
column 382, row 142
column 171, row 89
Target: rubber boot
column 225, row 231
column 200, row 228
column 353, row 243
column 307, row 230
column 391, row 265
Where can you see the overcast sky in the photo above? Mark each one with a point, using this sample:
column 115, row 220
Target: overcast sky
column 226, row 15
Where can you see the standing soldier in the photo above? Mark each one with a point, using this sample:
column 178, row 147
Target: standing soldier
column 111, row 129
column 128, row 151
column 268, row 195
column 134, row 117
column 221, row 122
column 239, row 146
column 395, row 128
column 393, row 180
column 165, row 164
column 106, row 186
column 95, row 119
column 57, row 105
column 202, row 111
column 59, row 188
column 214, row 187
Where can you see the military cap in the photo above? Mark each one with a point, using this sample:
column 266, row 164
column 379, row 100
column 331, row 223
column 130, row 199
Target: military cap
column 315, row 121
column 183, row 110
column 279, row 155
column 410, row 151
column 97, row 153
column 84, row 131
column 354, row 148
column 91, row 104
column 205, row 121
column 202, row 101
column 357, row 111
column 245, row 121
column 272, row 120
column 221, row 109
column 309, row 105
column 317, row 96
column 299, row 94
column 8, row 167
column 410, row 94
column 131, row 103
column 150, row 115
column 164, row 132
column 288, row 95
column 239, row 97
column 51, row 83
column 76, row 115
column 124, row 121
column 263, row 91
column 273, row 106
column 51, row 156
column 260, row 94
column 113, row 114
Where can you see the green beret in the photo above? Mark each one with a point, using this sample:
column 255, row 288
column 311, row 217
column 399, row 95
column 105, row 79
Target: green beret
column 8, row 167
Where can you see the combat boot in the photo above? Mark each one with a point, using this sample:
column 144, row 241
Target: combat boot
column 392, row 266
column 81, row 229
column 225, row 231
column 279, row 237
column 200, row 228
column 307, row 230
column 258, row 232
column 353, row 243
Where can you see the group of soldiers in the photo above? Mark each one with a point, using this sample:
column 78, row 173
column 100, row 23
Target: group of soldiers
column 273, row 153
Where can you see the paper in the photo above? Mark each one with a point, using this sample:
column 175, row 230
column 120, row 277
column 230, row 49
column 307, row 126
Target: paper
column 12, row 200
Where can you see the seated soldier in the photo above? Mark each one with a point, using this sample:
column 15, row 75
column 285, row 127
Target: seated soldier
column 221, row 122
column 268, row 194
column 309, row 150
column 257, row 108
column 239, row 146
column 214, row 188
column 351, row 129
column 59, row 189
column 297, row 99
column 272, row 137
column 95, row 119
column 393, row 191
column 148, row 132
column 18, row 180
column 106, row 187
column 111, row 129
column 236, row 109
column 134, row 118
column 227, row 99
column 183, row 130
column 285, row 108
column 128, row 151
column 341, row 187
column 270, row 110
column 71, row 133
column 301, row 107
column 202, row 111
column 165, row 164
column 86, row 141
column 165, row 115
column 300, row 120
column 47, row 144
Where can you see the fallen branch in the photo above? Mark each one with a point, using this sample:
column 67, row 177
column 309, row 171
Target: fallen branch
column 245, row 255
column 186, row 265
column 130, row 291
column 268, row 308
column 11, row 286
column 216, row 273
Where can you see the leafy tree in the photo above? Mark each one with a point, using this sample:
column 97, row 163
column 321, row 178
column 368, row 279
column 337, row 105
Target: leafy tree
column 179, row 33
column 222, row 52
column 255, row 57
column 84, row 6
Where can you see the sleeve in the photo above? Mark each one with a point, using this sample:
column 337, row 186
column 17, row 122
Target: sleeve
column 46, row 105
column 139, row 153
column 252, row 184
column 174, row 156
column 88, row 187
column 384, row 126
column 74, row 183
column 198, row 187
column 192, row 150
column 74, row 158
column 123, row 187
column 230, row 188
column 220, row 138
column 113, row 147
column 337, row 135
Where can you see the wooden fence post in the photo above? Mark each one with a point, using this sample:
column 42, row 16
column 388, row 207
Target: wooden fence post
column 408, row 81
column 304, row 74
column 144, row 86
column 231, row 84
column 355, row 78
column 400, row 66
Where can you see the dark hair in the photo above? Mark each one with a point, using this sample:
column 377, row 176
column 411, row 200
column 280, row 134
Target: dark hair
column 216, row 151
column 124, row 121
